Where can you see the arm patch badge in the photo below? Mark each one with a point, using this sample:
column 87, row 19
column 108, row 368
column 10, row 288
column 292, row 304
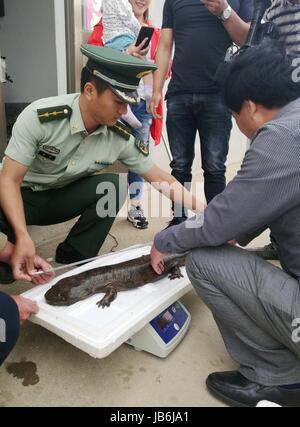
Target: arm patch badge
column 142, row 146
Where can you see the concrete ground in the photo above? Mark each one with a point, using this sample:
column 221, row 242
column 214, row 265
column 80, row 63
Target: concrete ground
column 66, row 376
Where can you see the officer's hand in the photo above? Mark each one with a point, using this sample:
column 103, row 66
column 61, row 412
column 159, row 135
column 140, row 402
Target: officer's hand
column 157, row 260
column 26, row 307
column 154, row 103
column 41, row 265
column 22, row 260
column 216, row 7
column 138, row 51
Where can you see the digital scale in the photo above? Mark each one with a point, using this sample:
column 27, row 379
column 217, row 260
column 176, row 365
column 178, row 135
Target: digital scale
column 164, row 332
column 138, row 317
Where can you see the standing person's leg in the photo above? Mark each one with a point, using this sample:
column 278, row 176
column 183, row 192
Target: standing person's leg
column 182, row 128
column 214, row 125
column 9, row 325
column 135, row 182
column 254, row 305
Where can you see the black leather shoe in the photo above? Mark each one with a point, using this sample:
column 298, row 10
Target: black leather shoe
column 176, row 221
column 66, row 254
column 267, row 252
column 233, row 388
column 6, row 275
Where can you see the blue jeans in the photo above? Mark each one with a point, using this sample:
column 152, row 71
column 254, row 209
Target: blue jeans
column 207, row 114
column 143, row 133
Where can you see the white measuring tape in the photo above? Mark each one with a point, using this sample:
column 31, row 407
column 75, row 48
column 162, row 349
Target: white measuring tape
column 38, row 273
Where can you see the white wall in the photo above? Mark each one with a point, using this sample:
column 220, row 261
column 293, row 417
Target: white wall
column 156, row 8
column 60, row 42
column 27, row 39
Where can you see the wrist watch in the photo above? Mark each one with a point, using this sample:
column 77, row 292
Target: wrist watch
column 226, row 13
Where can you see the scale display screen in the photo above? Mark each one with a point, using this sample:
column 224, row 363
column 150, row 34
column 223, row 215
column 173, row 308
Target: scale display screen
column 165, row 319
column 169, row 322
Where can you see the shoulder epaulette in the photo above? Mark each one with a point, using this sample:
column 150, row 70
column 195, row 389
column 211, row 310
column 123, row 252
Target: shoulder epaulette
column 121, row 130
column 54, row 113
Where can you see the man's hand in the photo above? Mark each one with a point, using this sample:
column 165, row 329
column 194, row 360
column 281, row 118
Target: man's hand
column 157, row 260
column 26, row 307
column 216, row 7
column 41, row 265
column 232, row 242
column 154, row 103
column 22, row 260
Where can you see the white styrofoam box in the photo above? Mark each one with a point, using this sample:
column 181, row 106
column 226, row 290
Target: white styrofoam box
column 99, row 331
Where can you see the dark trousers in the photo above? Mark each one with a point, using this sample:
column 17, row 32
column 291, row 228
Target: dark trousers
column 207, row 114
column 77, row 199
column 9, row 325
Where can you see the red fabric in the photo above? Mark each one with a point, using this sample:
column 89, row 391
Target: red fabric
column 97, row 34
column 157, row 124
column 96, row 38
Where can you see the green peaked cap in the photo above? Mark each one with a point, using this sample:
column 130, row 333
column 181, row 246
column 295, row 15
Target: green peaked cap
column 121, row 71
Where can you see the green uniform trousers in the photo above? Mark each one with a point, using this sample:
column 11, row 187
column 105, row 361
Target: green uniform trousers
column 76, row 199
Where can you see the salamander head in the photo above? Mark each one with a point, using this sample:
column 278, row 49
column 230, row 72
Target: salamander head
column 64, row 292
column 57, row 296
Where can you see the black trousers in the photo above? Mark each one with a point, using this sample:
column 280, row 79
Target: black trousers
column 9, row 325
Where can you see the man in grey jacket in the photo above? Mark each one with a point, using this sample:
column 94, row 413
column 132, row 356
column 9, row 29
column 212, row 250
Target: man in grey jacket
column 285, row 14
column 256, row 305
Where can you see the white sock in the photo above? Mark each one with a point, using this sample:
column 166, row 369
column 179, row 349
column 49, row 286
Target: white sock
column 135, row 205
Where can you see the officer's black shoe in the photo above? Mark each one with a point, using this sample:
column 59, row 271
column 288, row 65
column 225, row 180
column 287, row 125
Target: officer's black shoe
column 66, row 254
column 6, row 275
column 234, row 389
column 267, row 252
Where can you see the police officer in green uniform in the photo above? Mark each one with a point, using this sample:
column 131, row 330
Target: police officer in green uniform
column 59, row 145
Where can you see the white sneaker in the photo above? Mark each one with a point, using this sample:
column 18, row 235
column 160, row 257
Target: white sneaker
column 137, row 217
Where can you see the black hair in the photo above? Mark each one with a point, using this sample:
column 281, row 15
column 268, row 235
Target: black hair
column 146, row 15
column 262, row 74
column 87, row 76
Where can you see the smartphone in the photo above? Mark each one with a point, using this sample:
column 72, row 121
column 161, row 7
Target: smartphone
column 145, row 32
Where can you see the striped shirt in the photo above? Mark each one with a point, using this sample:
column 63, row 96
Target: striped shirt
column 286, row 15
column 264, row 194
